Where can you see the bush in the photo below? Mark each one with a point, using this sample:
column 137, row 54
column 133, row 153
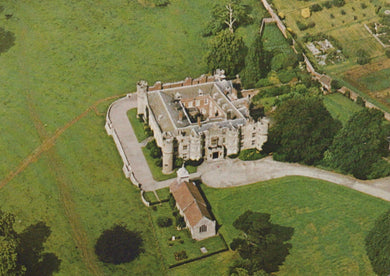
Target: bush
column 379, row 169
column 377, row 245
column 118, row 245
column 327, row 4
column 164, row 222
column 362, row 57
column 387, row 53
column 343, row 12
column 360, row 101
column 181, row 255
column 172, row 203
column 263, row 83
column 363, row 5
column 315, row 8
column 251, row 154
column 338, row 3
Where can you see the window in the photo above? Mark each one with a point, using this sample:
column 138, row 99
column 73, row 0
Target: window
column 197, row 102
column 185, row 147
column 203, row 228
column 253, row 134
column 206, row 101
column 190, row 104
column 253, row 142
column 214, row 141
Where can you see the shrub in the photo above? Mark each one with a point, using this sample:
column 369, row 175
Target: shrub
column 331, row 15
column 315, row 8
column 172, row 204
column 377, row 245
column 263, row 82
column 360, row 101
column 251, row 154
column 363, row 5
column 164, row 221
column 327, row 4
column 180, row 255
column 339, row 3
column 387, row 53
column 347, row 94
column 118, row 245
column 379, row 169
column 362, row 56
column 179, row 221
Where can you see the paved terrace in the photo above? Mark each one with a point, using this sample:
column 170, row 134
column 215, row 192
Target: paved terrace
column 225, row 173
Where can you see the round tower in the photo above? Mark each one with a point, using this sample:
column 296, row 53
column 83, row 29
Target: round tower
column 142, row 89
column 167, row 154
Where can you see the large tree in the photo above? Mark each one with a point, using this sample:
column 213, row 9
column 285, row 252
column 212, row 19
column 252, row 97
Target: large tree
column 262, row 245
column 378, row 245
column 227, row 52
column 227, row 15
column 360, row 144
column 256, row 63
column 303, row 130
column 9, row 243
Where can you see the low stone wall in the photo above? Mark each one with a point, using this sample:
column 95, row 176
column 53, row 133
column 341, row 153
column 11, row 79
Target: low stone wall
column 275, row 17
column 353, row 96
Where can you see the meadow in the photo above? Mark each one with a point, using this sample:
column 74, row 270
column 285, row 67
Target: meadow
column 329, row 221
column 69, row 61
column 340, row 107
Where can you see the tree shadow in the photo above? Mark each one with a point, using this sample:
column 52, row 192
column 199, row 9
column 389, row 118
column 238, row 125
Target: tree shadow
column 30, row 251
column 7, row 40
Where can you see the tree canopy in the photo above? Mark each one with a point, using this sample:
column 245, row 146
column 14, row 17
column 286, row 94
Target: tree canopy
column 256, row 63
column 378, row 245
column 227, row 52
column 118, row 245
column 303, row 130
column 21, row 254
column 360, row 144
column 222, row 14
column 262, row 244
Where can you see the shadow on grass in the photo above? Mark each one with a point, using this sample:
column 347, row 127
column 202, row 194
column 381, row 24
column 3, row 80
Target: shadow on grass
column 7, row 40
column 30, row 252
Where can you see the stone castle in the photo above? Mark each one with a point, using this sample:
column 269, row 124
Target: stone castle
column 199, row 118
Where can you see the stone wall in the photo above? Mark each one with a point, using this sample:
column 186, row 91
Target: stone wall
column 353, row 96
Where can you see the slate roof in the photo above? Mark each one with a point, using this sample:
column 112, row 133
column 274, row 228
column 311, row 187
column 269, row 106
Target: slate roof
column 190, row 201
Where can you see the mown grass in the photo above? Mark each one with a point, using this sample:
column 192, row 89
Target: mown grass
column 68, row 55
column 137, row 125
column 329, row 221
column 183, row 240
column 157, row 170
column 340, row 107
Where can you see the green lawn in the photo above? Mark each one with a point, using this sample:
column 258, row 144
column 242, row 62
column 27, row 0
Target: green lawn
column 183, row 240
column 137, row 125
column 68, row 55
column 329, row 221
column 377, row 81
column 340, row 107
column 157, row 171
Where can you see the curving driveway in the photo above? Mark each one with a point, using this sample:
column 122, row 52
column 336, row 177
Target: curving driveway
column 226, row 173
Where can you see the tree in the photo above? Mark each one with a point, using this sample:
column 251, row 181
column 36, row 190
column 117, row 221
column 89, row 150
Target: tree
column 303, row 130
column 7, row 40
column 8, row 256
column 227, row 52
column 227, row 15
column 377, row 244
column 362, row 56
column 257, row 64
column 118, row 245
column 359, row 144
column 262, row 244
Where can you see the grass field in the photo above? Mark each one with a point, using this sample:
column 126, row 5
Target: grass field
column 377, row 81
column 329, row 221
column 340, row 107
